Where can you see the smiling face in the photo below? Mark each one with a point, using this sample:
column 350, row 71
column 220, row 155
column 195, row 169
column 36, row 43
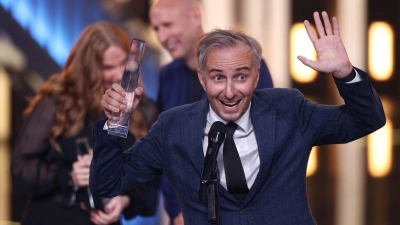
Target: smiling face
column 112, row 66
column 177, row 25
column 229, row 77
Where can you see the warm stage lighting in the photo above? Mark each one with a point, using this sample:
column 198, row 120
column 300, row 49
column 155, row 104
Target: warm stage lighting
column 380, row 51
column 380, row 150
column 312, row 162
column 5, row 118
column 5, row 103
column 300, row 44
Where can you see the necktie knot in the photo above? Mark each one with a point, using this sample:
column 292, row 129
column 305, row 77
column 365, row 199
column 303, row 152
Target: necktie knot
column 230, row 129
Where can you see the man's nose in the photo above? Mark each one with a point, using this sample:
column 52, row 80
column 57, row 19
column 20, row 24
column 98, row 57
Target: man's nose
column 229, row 90
column 162, row 35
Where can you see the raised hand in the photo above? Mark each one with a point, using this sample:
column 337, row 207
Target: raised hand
column 332, row 55
column 113, row 99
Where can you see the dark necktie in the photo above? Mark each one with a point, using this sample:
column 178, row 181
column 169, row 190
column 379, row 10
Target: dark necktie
column 235, row 178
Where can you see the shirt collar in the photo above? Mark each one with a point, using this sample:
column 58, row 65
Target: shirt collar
column 244, row 121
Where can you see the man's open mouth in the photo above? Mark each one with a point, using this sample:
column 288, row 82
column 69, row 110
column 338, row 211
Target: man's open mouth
column 230, row 104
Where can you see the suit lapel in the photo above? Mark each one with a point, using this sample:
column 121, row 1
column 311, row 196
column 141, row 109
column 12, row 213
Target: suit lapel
column 263, row 118
column 263, row 121
column 192, row 134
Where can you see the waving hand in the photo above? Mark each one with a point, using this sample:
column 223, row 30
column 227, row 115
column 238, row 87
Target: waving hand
column 332, row 55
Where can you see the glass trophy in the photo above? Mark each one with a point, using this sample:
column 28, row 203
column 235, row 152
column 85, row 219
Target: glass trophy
column 119, row 123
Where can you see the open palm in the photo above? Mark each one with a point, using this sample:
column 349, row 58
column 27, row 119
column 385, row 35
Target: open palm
column 332, row 55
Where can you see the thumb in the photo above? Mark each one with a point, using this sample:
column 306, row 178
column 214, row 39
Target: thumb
column 79, row 157
column 138, row 96
column 307, row 62
column 110, row 206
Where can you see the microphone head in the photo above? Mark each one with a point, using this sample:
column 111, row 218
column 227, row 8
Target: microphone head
column 217, row 131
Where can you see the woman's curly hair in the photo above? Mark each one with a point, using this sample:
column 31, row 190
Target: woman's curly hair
column 78, row 89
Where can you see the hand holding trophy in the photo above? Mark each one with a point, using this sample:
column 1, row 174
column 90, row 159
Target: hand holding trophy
column 118, row 124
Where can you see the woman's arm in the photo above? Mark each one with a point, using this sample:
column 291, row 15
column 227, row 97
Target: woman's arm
column 31, row 167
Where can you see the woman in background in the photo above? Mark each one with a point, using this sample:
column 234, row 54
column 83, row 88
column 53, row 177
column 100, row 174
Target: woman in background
column 45, row 160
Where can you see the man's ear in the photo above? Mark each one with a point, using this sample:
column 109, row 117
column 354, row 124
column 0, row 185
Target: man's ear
column 196, row 15
column 201, row 79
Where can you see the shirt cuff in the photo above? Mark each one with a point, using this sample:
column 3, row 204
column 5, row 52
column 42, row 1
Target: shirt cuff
column 356, row 79
column 105, row 127
column 353, row 77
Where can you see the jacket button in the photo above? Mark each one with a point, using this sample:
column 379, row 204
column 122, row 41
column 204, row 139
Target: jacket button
column 243, row 211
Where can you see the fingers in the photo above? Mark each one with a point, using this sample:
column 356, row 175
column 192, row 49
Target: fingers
column 318, row 24
column 100, row 217
column 86, row 157
column 138, row 96
column 80, row 172
column 110, row 205
column 113, row 101
column 178, row 220
column 326, row 28
column 335, row 26
column 327, row 23
column 116, row 100
column 310, row 31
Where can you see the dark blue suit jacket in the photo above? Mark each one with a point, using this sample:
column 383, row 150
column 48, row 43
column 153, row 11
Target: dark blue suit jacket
column 286, row 127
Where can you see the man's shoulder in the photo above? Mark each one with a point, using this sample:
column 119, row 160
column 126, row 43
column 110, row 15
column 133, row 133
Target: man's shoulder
column 276, row 93
column 174, row 65
column 275, row 98
column 183, row 110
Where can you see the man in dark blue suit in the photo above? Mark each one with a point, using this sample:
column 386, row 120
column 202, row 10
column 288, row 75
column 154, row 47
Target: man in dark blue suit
column 178, row 24
column 275, row 131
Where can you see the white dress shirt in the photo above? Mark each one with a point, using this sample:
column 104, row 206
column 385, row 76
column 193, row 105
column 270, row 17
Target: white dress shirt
column 246, row 145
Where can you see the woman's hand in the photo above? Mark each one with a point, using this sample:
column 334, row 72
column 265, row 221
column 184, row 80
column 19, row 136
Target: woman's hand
column 113, row 211
column 80, row 171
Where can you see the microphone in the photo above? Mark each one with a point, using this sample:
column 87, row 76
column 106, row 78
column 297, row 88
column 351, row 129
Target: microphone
column 216, row 137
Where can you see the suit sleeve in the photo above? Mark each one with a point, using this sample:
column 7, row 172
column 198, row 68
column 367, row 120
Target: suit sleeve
column 143, row 199
column 361, row 114
column 114, row 171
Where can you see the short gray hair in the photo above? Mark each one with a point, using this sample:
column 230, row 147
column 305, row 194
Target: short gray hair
column 219, row 38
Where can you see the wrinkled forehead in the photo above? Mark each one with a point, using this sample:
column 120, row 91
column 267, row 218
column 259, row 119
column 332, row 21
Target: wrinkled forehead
column 238, row 49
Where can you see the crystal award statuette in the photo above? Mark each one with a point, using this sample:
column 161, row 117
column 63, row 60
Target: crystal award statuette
column 118, row 125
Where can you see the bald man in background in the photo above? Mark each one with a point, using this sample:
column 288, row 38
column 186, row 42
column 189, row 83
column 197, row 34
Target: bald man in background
column 178, row 24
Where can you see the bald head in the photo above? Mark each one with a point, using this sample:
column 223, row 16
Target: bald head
column 178, row 26
column 174, row 3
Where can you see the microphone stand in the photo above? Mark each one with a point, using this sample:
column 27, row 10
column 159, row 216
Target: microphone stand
column 212, row 197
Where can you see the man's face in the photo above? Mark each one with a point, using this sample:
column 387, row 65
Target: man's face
column 229, row 78
column 175, row 29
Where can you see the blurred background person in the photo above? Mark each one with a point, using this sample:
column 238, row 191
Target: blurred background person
column 178, row 24
column 45, row 160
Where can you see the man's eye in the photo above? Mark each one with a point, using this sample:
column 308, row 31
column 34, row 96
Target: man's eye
column 241, row 77
column 217, row 78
